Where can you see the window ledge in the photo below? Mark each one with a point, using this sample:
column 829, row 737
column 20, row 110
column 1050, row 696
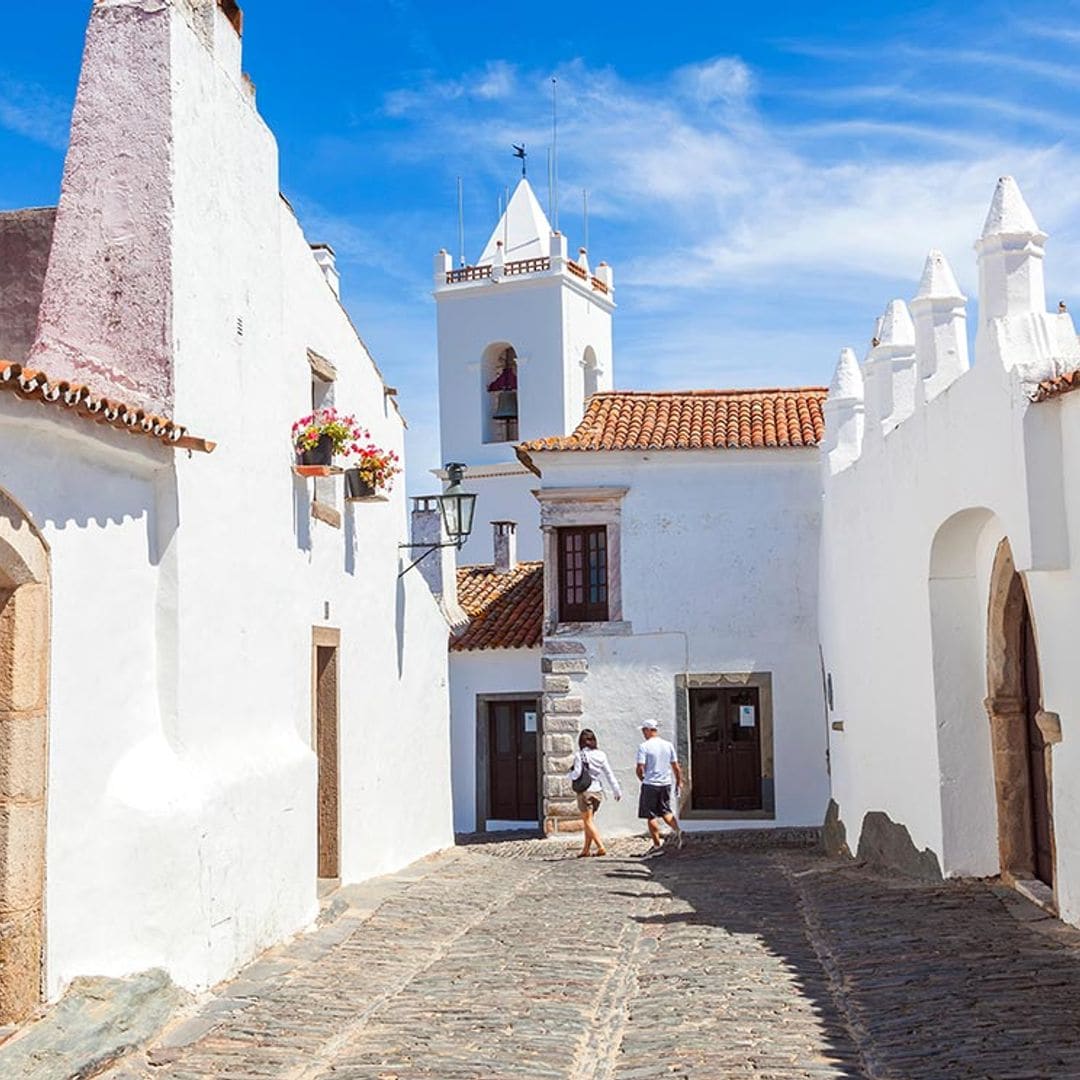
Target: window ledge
column 322, row 512
column 613, row 627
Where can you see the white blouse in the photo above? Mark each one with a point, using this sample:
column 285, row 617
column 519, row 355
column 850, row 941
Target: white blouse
column 602, row 775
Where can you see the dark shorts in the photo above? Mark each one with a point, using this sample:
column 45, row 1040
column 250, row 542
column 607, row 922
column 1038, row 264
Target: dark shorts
column 654, row 801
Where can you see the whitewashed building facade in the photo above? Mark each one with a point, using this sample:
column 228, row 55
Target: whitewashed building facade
column 699, row 512
column 207, row 663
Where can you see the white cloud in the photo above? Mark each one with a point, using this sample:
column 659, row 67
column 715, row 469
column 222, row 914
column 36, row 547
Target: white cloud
column 31, row 111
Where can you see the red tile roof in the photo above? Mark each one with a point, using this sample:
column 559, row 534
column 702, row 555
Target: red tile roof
column 506, row 611
column 31, row 385
column 1051, row 388
column 695, row 420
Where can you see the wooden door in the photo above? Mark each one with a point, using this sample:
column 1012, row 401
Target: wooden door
column 326, row 748
column 512, row 762
column 725, row 748
column 1038, row 784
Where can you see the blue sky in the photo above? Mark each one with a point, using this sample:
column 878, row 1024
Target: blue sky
column 763, row 178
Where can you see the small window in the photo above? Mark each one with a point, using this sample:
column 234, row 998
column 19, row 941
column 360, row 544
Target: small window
column 583, row 580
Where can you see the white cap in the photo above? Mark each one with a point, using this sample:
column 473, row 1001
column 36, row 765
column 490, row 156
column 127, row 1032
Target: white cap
column 652, row 725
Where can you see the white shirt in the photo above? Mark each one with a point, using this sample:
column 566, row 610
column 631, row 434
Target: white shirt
column 657, row 755
column 601, row 772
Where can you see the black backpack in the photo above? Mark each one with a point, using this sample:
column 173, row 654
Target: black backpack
column 584, row 780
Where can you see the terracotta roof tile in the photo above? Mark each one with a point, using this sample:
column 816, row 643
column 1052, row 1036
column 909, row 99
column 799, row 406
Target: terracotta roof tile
column 1051, row 388
column 506, row 611
column 31, row 385
column 695, row 420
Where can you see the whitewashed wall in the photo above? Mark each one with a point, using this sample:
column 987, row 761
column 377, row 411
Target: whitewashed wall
column 908, row 540
column 719, row 564
column 182, row 793
column 472, row 674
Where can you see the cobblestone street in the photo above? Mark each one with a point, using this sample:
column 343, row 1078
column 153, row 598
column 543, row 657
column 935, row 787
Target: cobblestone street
column 720, row 961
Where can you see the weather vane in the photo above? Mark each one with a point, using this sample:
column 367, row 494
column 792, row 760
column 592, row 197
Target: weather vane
column 519, row 152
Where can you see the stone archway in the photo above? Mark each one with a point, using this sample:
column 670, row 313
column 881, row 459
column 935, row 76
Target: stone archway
column 1021, row 746
column 24, row 680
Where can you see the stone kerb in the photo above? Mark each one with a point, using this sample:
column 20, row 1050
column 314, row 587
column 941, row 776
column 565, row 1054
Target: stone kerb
column 564, row 665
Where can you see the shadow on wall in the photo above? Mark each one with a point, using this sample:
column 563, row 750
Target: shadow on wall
column 301, row 513
column 399, row 624
column 928, row 975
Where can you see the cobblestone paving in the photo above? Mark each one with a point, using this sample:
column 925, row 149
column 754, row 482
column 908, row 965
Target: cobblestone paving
column 721, row 961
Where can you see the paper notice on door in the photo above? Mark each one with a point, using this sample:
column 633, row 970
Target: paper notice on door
column 746, row 716
column 530, row 721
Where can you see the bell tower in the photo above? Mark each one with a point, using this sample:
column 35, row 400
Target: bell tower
column 524, row 338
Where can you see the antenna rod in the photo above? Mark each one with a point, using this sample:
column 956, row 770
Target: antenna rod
column 585, row 214
column 555, row 151
column 506, row 222
column 549, row 182
column 460, row 224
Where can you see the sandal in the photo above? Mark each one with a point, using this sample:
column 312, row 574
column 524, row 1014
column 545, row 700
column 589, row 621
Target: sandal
column 602, row 851
column 583, row 854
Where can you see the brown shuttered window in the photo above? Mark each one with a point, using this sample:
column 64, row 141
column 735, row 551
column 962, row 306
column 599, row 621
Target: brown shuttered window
column 583, row 580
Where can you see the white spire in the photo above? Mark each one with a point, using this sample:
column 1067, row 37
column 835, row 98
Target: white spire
column 523, row 229
column 1009, row 215
column 847, row 380
column 844, row 415
column 896, row 325
column 938, row 282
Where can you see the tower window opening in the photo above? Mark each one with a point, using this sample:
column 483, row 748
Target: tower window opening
column 502, row 394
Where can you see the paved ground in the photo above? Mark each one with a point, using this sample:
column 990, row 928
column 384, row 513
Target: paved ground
column 718, row 962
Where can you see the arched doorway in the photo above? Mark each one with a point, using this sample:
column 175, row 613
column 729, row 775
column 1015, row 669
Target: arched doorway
column 1022, row 757
column 24, row 679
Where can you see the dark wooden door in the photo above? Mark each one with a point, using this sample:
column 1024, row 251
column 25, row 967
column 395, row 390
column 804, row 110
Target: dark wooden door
column 512, row 764
column 725, row 749
column 326, row 747
column 1038, row 784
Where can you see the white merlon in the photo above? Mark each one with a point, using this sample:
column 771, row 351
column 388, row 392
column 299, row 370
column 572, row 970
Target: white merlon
column 444, row 263
column 844, row 414
column 1009, row 214
column 941, row 347
column 890, row 368
column 604, row 274
column 583, row 259
column 1015, row 329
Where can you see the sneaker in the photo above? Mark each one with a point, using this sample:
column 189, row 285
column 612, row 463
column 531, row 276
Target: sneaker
column 680, row 839
column 655, row 850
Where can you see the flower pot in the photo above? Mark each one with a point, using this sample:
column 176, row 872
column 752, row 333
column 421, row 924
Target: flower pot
column 356, row 486
column 322, row 453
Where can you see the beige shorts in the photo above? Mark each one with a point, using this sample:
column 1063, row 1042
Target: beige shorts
column 589, row 800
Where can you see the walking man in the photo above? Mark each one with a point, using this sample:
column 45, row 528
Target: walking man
column 657, row 769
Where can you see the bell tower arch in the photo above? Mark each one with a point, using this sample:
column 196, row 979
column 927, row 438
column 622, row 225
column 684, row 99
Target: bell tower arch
column 523, row 334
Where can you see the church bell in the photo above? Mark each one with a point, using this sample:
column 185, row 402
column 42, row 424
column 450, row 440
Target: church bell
column 505, row 406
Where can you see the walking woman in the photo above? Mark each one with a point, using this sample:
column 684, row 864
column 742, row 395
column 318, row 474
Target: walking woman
column 589, row 776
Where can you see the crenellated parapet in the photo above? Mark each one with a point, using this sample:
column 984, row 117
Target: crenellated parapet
column 917, row 353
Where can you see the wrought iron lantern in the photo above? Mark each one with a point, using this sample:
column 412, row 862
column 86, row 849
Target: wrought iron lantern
column 457, row 507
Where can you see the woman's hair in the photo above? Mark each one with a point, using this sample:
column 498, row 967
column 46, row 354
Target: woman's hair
column 587, row 738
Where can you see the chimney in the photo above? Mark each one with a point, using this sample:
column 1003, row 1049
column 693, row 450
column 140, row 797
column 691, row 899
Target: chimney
column 439, row 565
column 505, row 540
column 327, row 260
column 1011, row 251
